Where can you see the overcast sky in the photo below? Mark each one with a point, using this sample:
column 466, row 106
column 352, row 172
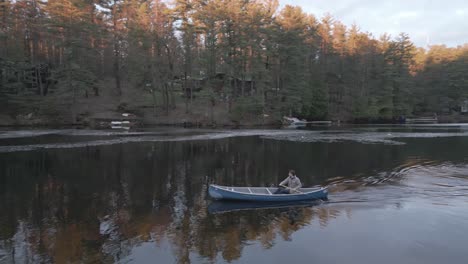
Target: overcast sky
column 426, row 21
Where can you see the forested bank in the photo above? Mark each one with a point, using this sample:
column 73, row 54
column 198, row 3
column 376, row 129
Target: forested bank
column 214, row 61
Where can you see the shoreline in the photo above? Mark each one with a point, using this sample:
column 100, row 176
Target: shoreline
column 211, row 126
column 102, row 120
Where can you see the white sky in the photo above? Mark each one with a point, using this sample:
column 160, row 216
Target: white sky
column 426, row 21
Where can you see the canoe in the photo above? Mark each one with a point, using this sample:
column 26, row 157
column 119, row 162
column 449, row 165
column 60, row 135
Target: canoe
column 264, row 194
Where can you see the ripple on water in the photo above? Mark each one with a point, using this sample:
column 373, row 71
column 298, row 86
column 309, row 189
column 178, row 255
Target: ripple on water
column 390, row 138
column 422, row 179
column 124, row 137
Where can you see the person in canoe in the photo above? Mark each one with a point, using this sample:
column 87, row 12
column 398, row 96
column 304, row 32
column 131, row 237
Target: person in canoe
column 290, row 185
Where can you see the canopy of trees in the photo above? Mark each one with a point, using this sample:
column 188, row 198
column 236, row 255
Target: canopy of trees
column 246, row 55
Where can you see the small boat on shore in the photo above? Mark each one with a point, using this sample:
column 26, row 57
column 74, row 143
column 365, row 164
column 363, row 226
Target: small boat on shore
column 421, row 120
column 293, row 122
column 265, row 194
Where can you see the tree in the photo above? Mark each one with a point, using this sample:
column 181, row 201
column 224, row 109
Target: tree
column 249, row 55
column 290, row 63
column 399, row 59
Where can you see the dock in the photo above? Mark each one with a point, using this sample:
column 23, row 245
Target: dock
column 319, row 122
column 121, row 121
column 421, row 120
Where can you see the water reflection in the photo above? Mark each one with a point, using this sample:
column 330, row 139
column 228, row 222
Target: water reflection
column 98, row 204
column 217, row 207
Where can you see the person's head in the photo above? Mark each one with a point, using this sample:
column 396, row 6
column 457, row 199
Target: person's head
column 292, row 173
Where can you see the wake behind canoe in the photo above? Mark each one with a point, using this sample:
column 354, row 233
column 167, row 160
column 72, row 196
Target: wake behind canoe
column 264, row 194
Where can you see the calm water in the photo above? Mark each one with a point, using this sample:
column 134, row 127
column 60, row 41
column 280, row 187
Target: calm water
column 397, row 195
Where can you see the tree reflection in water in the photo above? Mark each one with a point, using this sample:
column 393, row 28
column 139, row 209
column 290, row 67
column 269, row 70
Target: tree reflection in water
column 97, row 204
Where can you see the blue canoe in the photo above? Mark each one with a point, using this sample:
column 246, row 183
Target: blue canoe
column 264, row 194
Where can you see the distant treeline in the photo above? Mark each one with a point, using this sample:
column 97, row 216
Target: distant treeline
column 246, row 54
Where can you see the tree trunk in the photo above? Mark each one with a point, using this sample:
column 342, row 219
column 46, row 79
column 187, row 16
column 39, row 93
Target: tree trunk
column 173, row 104
column 166, row 98
column 191, row 92
column 39, row 81
column 153, row 96
column 116, row 50
column 3, row 15
column 117, row 70
column 185, row 93
column 171, row 101
column 70, row 84
column 243, row 86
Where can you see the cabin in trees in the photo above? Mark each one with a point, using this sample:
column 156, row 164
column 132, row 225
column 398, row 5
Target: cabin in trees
column 24, row 78
column 192, row 85
column 464, row 107
column 221, row 84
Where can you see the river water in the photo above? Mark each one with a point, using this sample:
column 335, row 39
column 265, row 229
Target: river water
column 398, row 194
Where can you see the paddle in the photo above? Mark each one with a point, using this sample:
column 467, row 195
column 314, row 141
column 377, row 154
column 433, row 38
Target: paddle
column 291, row 189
